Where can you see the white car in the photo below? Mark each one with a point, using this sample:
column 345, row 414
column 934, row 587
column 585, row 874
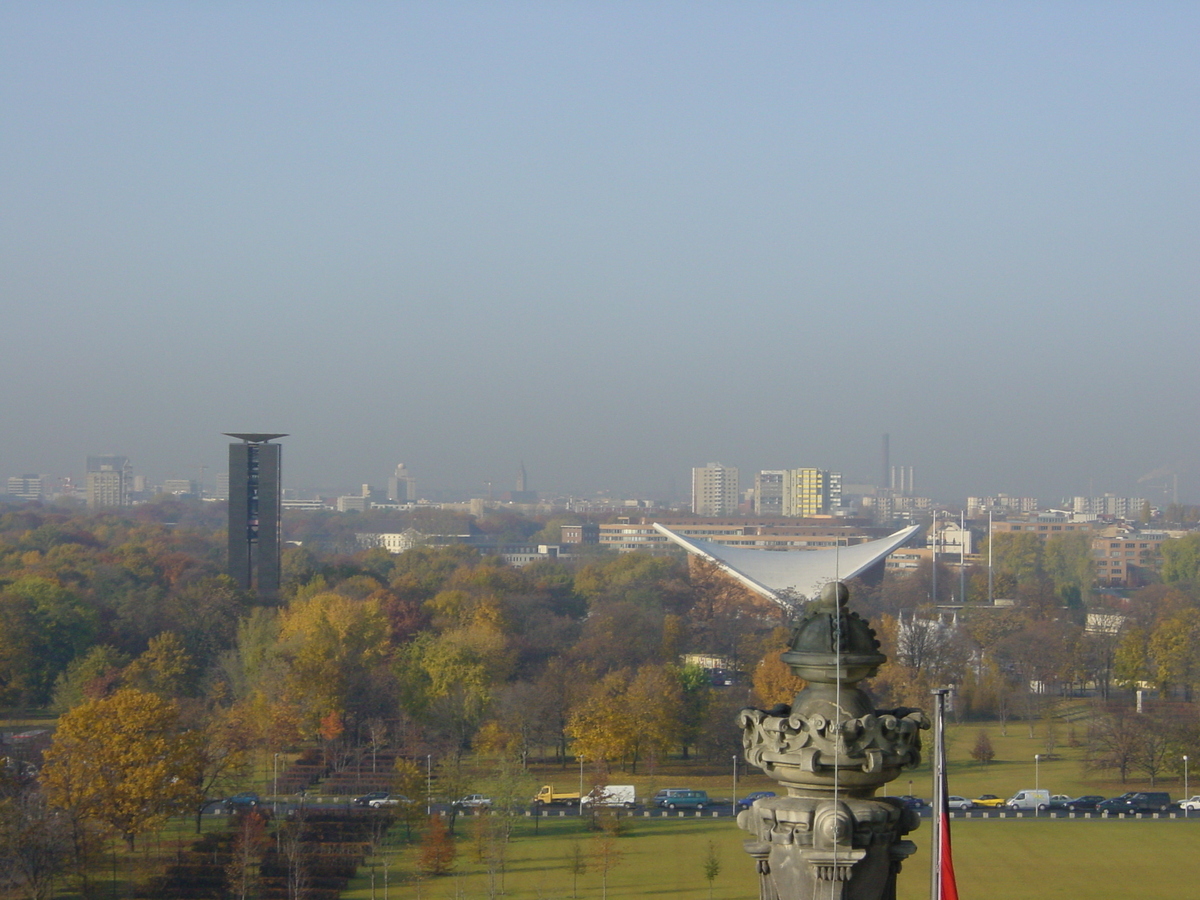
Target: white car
column 959, row 803
column 474, row 801
column 1192, row 803
column 389, row 800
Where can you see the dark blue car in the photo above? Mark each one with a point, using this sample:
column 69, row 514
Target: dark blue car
column 748, row 800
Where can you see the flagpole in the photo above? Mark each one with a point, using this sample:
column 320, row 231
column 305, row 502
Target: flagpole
column 935, row 842
column 942, row 882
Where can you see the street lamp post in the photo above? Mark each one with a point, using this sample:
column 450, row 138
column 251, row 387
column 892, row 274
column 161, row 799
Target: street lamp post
column 1037, row 758
column 428, row 784
column 1186, row 795
column 581, row 786
column 733, row 803
column 275, row 781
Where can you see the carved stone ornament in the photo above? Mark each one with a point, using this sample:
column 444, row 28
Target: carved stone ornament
column 830, row 837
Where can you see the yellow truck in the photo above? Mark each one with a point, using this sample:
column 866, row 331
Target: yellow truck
column 547, row 796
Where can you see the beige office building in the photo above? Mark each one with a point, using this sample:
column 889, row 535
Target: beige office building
column 715, row 490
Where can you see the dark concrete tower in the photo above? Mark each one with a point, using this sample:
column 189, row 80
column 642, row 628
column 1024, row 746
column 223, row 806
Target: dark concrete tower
column 255, row 492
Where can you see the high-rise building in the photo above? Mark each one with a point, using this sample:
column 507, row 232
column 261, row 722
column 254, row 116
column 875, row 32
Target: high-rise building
column 109, row 480
column 715, row 490
column 255, row 492
column 29, row 487
column 402, row 487
column 768, row 492
column 811, row 492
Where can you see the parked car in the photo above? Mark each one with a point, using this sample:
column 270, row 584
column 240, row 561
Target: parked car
column 1085, row 803
column 1191, row 803
column 365, row 799
column 1137, row 802
column 387, row 800
column 473, row 801
column 239, row 802
column 988, row 801
column 955, row 802
column 684, row 799
column 748, row 801
column 1059, row 801
column 911, row 802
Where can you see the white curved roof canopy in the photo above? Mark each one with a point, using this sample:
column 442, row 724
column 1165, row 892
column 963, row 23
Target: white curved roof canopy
column 769, row 572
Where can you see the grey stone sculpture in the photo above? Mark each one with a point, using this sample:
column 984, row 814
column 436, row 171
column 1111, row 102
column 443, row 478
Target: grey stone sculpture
column 830, row 837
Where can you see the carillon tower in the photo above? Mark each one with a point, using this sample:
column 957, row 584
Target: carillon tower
column 255, row 493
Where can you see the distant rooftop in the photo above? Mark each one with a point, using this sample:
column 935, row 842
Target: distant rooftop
column 253, row 438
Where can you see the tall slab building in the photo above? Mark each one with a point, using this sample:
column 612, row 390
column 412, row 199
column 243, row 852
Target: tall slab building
column 715, row 490
column 255, row 492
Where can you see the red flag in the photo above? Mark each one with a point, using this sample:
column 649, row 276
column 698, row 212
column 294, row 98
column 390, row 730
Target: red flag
column 949, row 888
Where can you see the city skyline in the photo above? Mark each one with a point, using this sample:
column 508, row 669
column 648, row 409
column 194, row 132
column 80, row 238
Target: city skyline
column 611, row 241
column 1159, row 492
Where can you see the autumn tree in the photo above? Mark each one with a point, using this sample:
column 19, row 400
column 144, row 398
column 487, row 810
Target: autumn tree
column 774, row 681
column 598, row 727
column 166, row 668
column 606, row 856
column 243, row 872
column 1131, row 661
column 437, row 851
column 220, row 759
column 983, row 752
column 332, row 644
column 119, row 761
column 576, row 862
column 34, row 848
column 627, row 716
column 1113, row 741
column 1174, row 648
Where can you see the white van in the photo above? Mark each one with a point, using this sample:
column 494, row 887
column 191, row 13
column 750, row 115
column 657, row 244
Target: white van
column 1035, row 800
column 612, row 795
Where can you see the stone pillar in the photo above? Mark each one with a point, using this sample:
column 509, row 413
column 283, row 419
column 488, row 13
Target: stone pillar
column 830, row 838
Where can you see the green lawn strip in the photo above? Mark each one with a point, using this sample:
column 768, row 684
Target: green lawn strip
column 1014, row 859
column 1034, row 860
column 1062, row 772
column 658, row 858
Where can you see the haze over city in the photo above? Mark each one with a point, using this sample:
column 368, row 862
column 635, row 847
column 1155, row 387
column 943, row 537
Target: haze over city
column 613, row 241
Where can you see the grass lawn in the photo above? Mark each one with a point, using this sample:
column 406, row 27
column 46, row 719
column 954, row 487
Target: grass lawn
column 1014, row 859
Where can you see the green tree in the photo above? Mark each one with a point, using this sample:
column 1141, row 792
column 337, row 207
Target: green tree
column 1181, row 559
column 118, row 761
column 695, row 690
column 1068, row 561
column 95, row 674
column 712, row 867
column 1017, row 554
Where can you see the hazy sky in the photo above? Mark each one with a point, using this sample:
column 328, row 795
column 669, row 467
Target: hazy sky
column 613, row 240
